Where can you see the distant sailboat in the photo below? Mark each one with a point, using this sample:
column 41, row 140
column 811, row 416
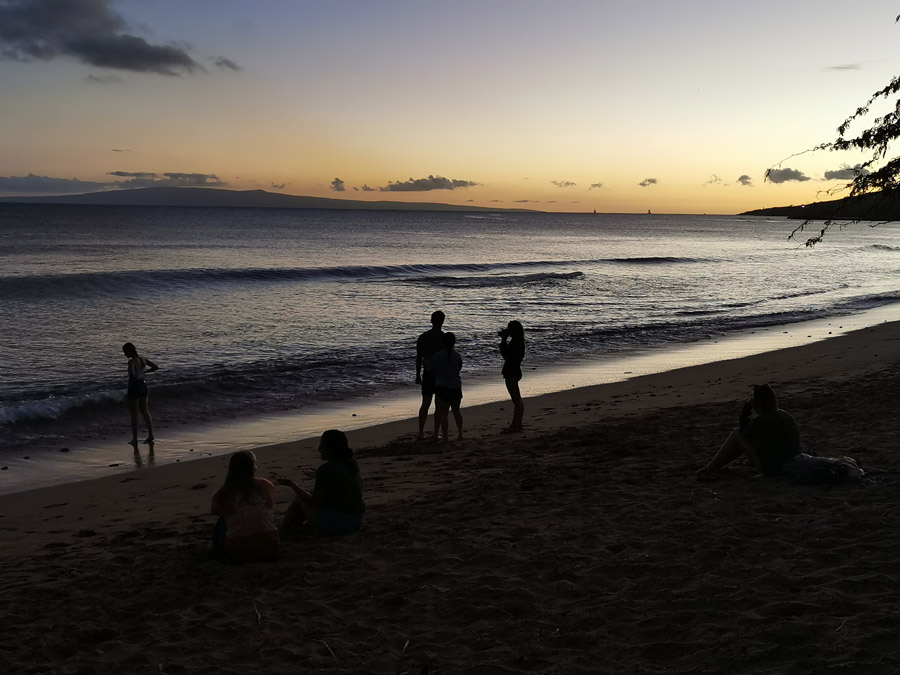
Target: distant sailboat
column 649, row 212
column 595, row 212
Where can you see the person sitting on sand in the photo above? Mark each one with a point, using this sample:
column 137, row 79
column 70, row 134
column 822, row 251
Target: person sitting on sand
column 769, row 439
column 246, row 529
column 445, row 366
column 138, row 394
column 512, row 349
column 335, row 506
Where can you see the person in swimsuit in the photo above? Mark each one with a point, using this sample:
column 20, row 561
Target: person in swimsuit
column 769, row 439
column 445, row 366
column 429, row 343
column 512, row 349
column 246, row 529
column 335, row 506
column 138, row 393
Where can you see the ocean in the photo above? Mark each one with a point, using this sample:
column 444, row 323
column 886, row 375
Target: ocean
column 259, row 312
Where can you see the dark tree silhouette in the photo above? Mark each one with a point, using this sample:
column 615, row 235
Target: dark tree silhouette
column 878, row 182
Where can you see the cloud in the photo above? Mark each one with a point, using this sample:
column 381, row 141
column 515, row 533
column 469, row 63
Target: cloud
column 226, row 64
column 138, row 179
column 563, row 183
column 595, row 185
column 338, row 185
column 366, row 188
column 846, row 66
column 714, row 180
column 32, row 184
column 86, row 30
column 525, row 201
column 426, row 184
column 279, row 186
column 103, row 79
column 120, row 150
column 647, row 182
column 745, row 180
column 846, row 172
column 785, row 175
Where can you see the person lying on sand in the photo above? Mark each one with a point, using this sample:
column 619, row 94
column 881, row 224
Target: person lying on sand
column 769, row 440
column 335, row 506
column 246, row 530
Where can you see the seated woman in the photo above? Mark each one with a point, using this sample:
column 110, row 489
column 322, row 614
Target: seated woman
column 769, row 439
column 246, row 530
column 335, row 506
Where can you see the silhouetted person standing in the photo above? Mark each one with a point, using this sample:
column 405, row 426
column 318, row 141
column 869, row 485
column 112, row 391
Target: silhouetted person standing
column 445, row 367
column 512, row 349
column 137, row 391
column 429, row 343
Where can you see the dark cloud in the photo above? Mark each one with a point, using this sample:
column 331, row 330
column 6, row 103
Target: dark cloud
column 366, row 188
column 563, row 183
column 785, row 175
column 745, row 180
column 338, row 185
column 647, row 182
column 87, row 30
column 714, row 180
column 846, row 66
column 595, row 185
column 846, row 173
column 226, row 64
column 526, row 201
column 138, row 179
column 279, row 186
column 32, row 184
column 426, row 184
column 120, row 150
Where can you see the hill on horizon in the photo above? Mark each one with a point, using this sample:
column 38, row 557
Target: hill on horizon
column 218, row 197
column 874, row 206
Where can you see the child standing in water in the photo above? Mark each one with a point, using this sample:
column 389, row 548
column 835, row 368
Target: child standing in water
column 138, row 393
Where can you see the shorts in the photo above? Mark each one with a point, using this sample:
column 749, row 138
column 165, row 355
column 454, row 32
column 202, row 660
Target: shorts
column 512, row 373
column 330, row 522
column 451, row 396
column 137, row 389
column 427, row 384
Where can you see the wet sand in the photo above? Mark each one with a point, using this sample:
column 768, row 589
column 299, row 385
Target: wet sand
column 584, row 544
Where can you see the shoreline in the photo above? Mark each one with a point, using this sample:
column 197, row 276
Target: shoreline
column 84, row 462
column 583, row 544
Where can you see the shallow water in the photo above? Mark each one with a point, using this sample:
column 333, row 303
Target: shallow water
column 275, row 313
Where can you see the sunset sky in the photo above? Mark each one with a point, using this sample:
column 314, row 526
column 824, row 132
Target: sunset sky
column 617, row 106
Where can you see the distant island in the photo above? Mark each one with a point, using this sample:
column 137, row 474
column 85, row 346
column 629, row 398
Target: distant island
column 874, row 206
column 217, row 197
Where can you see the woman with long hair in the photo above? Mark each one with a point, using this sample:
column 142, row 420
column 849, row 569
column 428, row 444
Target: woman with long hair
column 512, row 349
column 335, row 506
column 246, row 530
column 138, row 394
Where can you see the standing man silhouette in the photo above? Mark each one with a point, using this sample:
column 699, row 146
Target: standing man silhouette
column 429, row 343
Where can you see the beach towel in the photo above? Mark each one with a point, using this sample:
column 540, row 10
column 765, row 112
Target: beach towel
column 805, row 469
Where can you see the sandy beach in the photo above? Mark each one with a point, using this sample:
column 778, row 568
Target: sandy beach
column 583, row 545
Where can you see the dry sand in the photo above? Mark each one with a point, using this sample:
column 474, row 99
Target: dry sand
column 583, row 545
